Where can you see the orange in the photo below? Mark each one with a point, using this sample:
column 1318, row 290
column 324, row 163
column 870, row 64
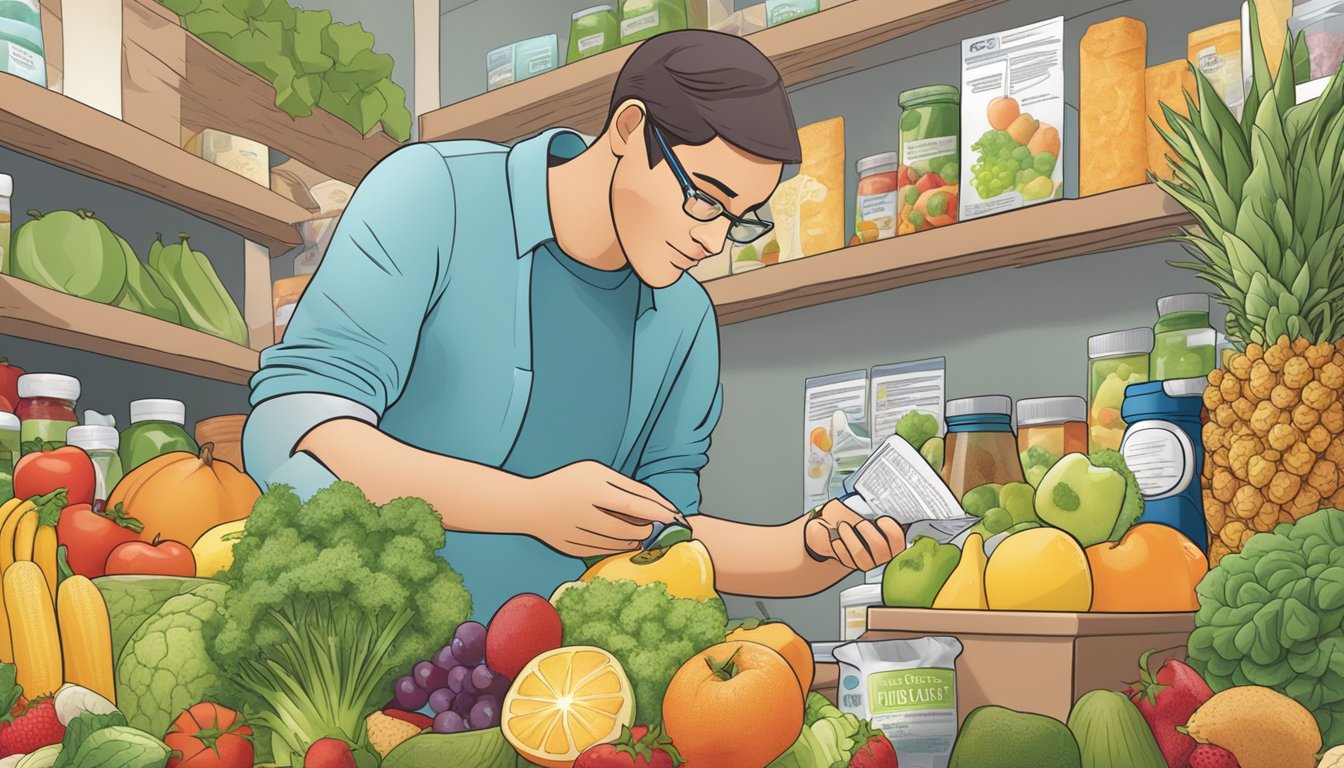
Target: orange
column 1002, row 112
column 735, row 705
column 821, row 439
column 565, row 701
column 1153, row 569
column 781, row 637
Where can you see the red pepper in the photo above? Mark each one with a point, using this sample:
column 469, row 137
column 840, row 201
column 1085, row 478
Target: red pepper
column 930, row 181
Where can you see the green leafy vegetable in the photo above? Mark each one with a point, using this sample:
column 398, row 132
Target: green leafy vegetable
column 651, row 633
column 343, row 42
column 328, row 600
column 308, row 55
column 122, row 747
column 1273, row 615
column 79, row 730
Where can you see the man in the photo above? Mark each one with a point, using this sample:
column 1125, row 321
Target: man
column 510, row 335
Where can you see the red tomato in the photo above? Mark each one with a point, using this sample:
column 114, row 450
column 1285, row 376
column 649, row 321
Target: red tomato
column 40, row 473
column 90, row 536
column 5, row 405
column 160, row 558
column 209, row 736
column 9, row 383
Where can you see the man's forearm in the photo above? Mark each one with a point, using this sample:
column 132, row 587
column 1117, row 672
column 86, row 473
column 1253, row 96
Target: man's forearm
column 764, row 560
column 468, row 496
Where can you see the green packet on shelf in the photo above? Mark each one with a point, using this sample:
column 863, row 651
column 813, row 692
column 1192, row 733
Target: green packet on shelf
column 780, row 11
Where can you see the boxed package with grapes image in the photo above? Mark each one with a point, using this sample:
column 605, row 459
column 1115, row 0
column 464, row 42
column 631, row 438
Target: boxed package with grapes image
column 1012, row 119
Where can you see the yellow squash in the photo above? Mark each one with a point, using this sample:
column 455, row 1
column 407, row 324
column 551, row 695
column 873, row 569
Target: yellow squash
column 32, row 620
column 684, row 567
column 965, row 588
column 214, row 550
column 86, row 636
column 1042, row 569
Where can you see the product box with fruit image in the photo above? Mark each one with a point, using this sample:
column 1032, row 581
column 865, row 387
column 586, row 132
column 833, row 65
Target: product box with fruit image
column 1012, row 119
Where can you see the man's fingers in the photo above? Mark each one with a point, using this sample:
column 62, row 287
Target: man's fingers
column 894, row 534
column 596, row 547
column 634, row 488
column 611, row 528
column 817, row 537
column 862, row 558
column 875, row 542
column 620, row 501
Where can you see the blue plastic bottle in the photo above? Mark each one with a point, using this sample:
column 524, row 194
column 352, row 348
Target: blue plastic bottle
column 1165, row 451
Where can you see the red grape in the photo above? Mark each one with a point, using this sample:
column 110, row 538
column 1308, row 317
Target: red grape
column 459, row 679
column 408, row 694
column 444, row 658
column 483, row 715
column 469, row 643
column 441, row 700
column 482, row 677
column 449, row 722
column 463, row 703
column 430, row 676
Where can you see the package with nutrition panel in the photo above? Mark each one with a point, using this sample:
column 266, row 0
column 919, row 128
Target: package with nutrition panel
column 1012, row 119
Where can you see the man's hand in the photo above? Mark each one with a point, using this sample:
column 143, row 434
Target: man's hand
column 842, row 534
column 588, row 509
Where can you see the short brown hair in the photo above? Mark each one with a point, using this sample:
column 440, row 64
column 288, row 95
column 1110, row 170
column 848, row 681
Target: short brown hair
column 698, row 84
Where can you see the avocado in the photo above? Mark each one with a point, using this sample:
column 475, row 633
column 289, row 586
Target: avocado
column 995, row 737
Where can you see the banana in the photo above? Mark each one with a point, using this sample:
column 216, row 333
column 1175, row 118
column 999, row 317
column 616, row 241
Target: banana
column 8, row 508
column 9, row 528
column 24, row 536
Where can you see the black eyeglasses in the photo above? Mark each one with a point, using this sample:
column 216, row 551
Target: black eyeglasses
column 702, row 207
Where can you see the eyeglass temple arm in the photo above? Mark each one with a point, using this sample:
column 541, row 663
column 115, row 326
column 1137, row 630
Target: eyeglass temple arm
column 671, row 160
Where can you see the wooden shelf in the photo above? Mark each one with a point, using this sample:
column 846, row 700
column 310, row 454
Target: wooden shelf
column 576, row 95
column 30, row 311
column 62, row 131
column 1046, row 232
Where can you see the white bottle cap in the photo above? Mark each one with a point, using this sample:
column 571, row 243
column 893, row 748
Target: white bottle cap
column 6, row 185
column 967, row 406
column 93, row 438
column 96, row 419
column 48, row 385
column 1045, row 410
column 1183, row 302
column 1135, row 341
column 1185, row 387
column 159, row 410
column 8, row 421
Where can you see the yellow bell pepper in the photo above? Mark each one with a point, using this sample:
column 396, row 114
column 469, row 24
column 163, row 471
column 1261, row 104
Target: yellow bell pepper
column 685, row 567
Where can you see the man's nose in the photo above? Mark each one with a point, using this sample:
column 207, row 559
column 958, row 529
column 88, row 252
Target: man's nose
column 711, row 236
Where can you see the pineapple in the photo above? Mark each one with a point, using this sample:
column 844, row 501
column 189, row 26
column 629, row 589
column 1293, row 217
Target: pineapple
column 1267, row 193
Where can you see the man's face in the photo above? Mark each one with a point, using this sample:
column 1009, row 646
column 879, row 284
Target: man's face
column 658, row 237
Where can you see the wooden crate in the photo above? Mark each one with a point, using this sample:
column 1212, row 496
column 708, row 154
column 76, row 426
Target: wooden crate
column 1039, row 662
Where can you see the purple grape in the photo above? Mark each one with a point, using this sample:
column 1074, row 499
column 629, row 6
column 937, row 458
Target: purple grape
column 469, row 643
column 481, row 678
column 408, row 695
column 449, row 722
column 444, row 658
column 459, row 679
column 484, row 715
column 499, row 685
column 463, row 703
column 430, row 676
column 441, row 700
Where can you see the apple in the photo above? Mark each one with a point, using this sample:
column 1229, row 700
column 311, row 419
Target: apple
column 522, row 629
column 156, row 558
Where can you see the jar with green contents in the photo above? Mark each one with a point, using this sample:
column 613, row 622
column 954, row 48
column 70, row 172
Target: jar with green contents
column 9, row 453
column 46, row 409
column 101, row 443
column 1184, row 343
column 930, row 158
column 1114, row 362
column 157, row 427
column 980, row 445
column 642, row 19
column 593, row 31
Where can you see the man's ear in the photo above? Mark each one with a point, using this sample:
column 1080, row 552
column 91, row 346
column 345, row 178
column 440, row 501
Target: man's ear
column 627, row 127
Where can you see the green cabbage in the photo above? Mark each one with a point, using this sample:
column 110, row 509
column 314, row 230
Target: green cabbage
column 1273, row 615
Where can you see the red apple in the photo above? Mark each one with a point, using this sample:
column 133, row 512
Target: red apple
column 522, row 629
column 157, row 558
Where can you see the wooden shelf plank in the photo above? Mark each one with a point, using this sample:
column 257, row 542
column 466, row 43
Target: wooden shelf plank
column 30, row 311
column 62, row 131
column 1033, row 235
column 576, row 95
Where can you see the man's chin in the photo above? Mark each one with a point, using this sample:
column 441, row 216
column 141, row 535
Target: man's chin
column 660, row 276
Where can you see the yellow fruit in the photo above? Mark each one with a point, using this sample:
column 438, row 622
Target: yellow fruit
column 565, row 701
column 684, row 567
column 1023, row 128
column 387, row 733
column 214, row 550
column 1042, row 569
column 1261, row 727
column 965, row 588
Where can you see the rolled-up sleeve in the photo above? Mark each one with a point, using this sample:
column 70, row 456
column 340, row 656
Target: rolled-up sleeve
column 678, row 444
column 350, row 344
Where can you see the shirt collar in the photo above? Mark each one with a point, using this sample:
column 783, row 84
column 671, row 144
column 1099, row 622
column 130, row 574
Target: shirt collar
column 527, row 164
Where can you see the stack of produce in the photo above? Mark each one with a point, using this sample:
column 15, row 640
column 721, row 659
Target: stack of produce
column 75, row 253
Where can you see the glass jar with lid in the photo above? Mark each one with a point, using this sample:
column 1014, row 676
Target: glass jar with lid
column 1184, row 343
column 593, row 31
column 1114, row 361
column 101, row 443
column 876, row 204
column 9, row 452
column 980, row 446
column 1047, row 429
column 46, row 408
column 930, row 158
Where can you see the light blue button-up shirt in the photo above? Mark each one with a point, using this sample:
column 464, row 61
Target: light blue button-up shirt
column 419, row 321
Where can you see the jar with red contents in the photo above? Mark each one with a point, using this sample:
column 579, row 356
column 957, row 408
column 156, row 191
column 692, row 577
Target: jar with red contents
column 876, row 204
column 46, row 408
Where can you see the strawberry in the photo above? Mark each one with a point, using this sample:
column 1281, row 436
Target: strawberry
column 27, row 725
column 329, row 753
column 1209, row 756
column 1167, row 701
column 876, row 751
column 638, row 747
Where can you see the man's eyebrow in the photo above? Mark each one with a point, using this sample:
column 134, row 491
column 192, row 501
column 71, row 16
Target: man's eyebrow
column 727, row 190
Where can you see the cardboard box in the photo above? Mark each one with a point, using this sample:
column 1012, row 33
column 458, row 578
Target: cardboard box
column 245, row 157
column 1036, row 661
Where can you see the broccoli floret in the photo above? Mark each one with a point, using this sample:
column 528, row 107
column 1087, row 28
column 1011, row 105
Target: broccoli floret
column 917, row 427
column 1132, row 509
column 649, row 632
column 335, row 572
